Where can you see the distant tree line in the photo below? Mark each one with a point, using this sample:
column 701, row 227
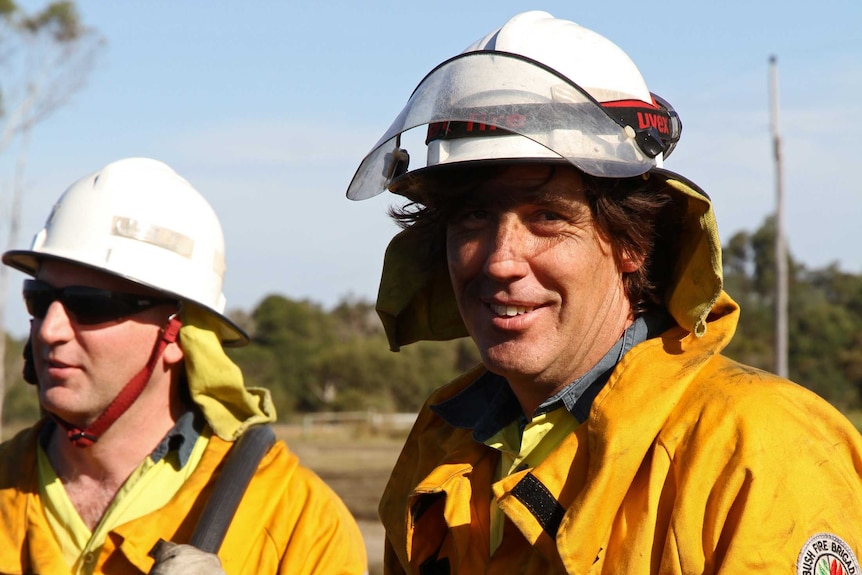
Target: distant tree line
column 313, row 359
column 824, row 317
column 339, row 360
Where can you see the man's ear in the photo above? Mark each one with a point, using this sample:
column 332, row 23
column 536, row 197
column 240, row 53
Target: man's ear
column 630, row 263
column 173, row 354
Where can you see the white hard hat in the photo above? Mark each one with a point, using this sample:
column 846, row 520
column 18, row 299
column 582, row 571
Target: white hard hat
column 537, row 88
column 138, row 219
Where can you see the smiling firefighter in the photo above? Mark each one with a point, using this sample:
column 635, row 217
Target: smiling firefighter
column 603, row 432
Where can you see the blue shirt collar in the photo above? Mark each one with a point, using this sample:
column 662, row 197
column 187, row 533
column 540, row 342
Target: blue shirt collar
column 181, row 438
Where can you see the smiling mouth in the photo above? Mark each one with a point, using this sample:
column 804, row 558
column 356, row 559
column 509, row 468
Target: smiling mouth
column 510, row 310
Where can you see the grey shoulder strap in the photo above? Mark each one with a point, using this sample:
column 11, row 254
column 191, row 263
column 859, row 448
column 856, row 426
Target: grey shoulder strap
column 242, row 462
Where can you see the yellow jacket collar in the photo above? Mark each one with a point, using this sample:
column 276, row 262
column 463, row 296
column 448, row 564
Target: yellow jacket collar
column 216, row 383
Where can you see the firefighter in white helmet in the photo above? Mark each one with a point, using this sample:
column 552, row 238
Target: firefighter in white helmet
column 142, row 405
column 603, row 431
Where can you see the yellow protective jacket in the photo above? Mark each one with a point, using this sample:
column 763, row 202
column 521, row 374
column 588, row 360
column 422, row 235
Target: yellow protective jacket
column 289, row 521
column 688, row 463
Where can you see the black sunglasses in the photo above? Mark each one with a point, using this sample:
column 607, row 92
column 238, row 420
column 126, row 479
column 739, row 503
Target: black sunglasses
column 89, row 305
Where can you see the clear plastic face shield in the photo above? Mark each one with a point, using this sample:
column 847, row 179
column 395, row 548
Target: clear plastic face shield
column 507, row 94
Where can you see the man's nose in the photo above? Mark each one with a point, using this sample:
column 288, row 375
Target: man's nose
column 508, row 254
column 56, row 325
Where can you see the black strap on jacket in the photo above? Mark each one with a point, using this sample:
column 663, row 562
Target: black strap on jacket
column 241, row 464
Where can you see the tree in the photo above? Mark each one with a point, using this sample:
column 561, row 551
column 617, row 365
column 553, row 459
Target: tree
column 827, row 333
column 296, row 333
column 45, row 58
column 824, row 319
column 314, row 360
column 21, row 403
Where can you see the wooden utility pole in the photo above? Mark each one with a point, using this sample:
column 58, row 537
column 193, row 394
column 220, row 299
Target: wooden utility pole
column 780, row 242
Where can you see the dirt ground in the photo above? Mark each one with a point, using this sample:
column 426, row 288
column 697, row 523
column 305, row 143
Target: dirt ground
column 356, row 465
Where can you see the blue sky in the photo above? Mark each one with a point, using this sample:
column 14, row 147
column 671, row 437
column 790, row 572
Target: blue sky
column 268, row 108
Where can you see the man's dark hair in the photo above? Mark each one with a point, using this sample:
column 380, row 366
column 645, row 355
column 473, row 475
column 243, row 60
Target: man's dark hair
column 636, row 217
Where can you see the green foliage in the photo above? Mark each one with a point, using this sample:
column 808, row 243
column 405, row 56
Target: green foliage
column 45, row 56
column 59, row 19
column 369, row 376
column 824, row 318
column 340, row 360
column 7, row 8
column 297, row 335
column 21, row 402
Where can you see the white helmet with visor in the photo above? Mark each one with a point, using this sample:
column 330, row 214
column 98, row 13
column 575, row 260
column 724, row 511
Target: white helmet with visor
column 537, row 88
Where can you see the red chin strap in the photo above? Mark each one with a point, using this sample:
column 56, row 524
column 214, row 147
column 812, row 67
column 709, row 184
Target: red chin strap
column 127, row 396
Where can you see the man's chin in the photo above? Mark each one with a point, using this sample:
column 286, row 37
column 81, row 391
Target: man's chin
column 56, row 407
column 509, row 363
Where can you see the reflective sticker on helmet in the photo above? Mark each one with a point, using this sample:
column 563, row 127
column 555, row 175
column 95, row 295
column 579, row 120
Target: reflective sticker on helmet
column 218, row 263
column 491, row 121
column 170, row 240
column 826, row 554
column 639, row 115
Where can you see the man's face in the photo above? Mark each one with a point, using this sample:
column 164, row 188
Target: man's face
column 81, row 368
column 536, row 283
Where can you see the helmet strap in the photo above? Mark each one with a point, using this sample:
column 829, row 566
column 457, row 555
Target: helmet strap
column 127, row 396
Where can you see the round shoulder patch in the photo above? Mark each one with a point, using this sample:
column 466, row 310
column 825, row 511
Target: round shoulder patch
column 826, row 554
